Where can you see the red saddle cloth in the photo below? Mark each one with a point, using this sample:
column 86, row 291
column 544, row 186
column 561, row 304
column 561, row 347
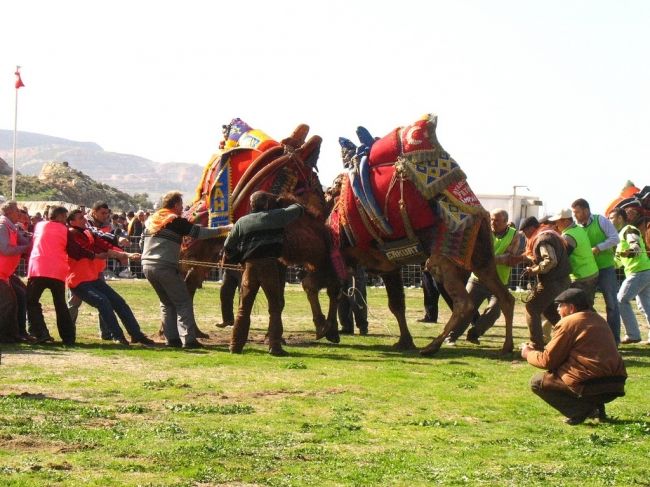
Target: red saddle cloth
column 418, row 209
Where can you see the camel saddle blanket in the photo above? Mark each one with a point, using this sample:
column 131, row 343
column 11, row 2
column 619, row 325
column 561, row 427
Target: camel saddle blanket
column 433, row 189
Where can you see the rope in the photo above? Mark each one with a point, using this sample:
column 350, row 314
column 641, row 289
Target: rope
column 350, row 294
column 216, row 265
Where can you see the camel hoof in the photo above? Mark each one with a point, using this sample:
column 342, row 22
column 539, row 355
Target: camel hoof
column 333, row 335
column 507, row 349
column 430, row 349
column 404, row 345
column 322, row 330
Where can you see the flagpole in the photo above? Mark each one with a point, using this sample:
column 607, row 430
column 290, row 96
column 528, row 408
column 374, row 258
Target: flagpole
column 13, row 171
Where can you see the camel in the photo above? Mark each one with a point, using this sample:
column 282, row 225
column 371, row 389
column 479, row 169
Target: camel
column 419, row 184
column 287, row 169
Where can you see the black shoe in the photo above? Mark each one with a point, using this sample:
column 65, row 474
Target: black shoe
column 473, row 337
column 121, row 341
column 193, row 345
column 174, row 343
column 576, row 420
column 427, row 320
column 144, row 340
column 363, row 331
column 346, row 331
column 237, row 350
column 44, row 340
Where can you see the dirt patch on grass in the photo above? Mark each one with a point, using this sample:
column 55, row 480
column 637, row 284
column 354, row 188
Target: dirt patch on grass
column 33, row 444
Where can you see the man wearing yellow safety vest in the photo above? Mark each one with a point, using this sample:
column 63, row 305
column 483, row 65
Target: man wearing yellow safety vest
column 507, row 245
column 603, row 238
column 584, row 270
column 632, row 256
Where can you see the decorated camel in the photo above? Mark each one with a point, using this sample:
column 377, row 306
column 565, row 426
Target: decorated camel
column 405, row 200
column 636, row 203
column 250, row 160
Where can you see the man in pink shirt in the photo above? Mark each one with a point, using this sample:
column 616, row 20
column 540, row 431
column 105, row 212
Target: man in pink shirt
column 48, row 269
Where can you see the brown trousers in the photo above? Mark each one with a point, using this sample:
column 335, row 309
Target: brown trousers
column 543, row 303
column 558, row 395
column 264, row 273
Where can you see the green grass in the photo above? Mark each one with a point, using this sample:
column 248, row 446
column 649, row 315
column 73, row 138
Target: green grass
column 357, row 413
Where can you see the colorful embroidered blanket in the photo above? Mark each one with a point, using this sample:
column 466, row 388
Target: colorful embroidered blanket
column 434, row 189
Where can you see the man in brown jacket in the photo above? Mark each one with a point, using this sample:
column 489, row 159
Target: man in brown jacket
column 584, row 368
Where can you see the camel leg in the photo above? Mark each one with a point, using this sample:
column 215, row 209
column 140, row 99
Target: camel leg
column 463, row 308
column 488, row 276
column 323, row 326
column 397, row 306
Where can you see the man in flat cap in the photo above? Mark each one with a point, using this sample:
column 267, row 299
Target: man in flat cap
column 547, row 259
column 584, row 369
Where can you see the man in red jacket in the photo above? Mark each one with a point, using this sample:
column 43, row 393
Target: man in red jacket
column 12, row 245
column 86, row 285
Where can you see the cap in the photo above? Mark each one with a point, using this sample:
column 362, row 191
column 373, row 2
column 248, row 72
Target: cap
column 631, row 202
column 531, row 221
column 574, row 296
column 562, row 215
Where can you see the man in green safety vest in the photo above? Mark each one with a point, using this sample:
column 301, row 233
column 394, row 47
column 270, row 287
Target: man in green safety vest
column 632, row 256
column 603, row 238
column 507, row 245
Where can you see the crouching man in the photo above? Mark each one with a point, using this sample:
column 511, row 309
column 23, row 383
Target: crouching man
column 584, row 368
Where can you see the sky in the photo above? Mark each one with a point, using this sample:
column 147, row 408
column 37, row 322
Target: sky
column 550, row 95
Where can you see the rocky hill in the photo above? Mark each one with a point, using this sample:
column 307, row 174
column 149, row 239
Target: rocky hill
column 60, row 182
column 128, row 173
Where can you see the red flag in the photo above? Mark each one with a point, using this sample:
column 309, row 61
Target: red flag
column 19, row 81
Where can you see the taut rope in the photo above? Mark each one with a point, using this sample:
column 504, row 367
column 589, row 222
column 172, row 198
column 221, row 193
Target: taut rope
column 216, row 265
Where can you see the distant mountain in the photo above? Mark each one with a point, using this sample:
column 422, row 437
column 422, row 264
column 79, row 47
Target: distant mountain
column 126, row 172
column 59, row 182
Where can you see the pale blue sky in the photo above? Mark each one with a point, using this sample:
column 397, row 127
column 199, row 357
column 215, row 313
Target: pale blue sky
column 554, row 95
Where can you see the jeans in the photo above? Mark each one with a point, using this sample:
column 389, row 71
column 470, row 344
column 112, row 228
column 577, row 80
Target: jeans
column 100, row 295
column 37, row 326
column 635, row 285
column 74, row 303
column 609, row 287
column 176, row 308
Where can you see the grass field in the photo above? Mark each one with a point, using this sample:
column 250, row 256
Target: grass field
column 357, row 413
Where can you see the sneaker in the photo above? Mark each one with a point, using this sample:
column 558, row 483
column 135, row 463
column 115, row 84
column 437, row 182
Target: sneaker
column 126, row 274
column 121, row 341
column 450, row 342
column 144, row 340
column 627, row 340
column 193, row 345
column 224, row 324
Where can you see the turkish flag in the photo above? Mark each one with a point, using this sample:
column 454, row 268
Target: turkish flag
column 19, row 81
